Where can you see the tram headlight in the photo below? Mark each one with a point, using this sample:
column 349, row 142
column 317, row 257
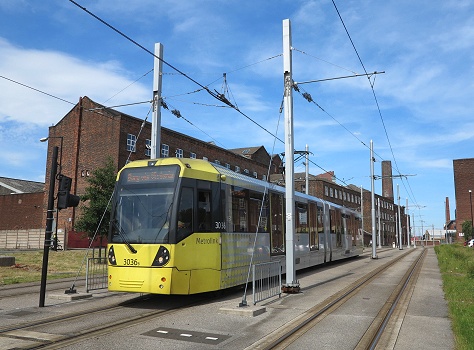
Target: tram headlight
column 162, row 257
column 111, row 256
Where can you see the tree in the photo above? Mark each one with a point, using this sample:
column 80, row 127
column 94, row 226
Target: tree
column 97, row 202
column 467, row 229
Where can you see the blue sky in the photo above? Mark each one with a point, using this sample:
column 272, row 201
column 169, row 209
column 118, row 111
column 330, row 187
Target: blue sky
column 425, row 95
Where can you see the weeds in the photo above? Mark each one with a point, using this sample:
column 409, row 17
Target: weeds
column 456, row 263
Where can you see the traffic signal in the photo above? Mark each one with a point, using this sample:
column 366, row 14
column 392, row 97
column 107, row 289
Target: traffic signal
column 66, row 199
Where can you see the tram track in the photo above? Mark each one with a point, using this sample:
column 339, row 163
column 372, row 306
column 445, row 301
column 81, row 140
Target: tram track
column 290, row 333
column 56, row 332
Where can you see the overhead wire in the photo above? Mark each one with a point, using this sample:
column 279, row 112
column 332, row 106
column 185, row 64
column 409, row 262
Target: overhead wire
column 177, row 114
column 37, row 90
column 214, row 94
column 320, row 59
column 376, row 101
column 145, row 49
column 144, row 75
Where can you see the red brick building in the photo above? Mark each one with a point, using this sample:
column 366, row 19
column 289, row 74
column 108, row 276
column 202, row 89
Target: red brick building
column 21, row 213
column 90, row 133
column 324, row 186
column 463, row 184
column 21, row 204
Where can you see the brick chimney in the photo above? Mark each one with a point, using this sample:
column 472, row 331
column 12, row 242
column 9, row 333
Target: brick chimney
column 387, row 180
column 448, row 215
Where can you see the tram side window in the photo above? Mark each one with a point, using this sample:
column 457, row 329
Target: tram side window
column 204, row 211
column 301, row 218
column 239, row 209
column 320, row 219
column 313, row 227
column 339, row 228
column 335, row 222
column 276, row 223
column 185, row 213
column 255, row 209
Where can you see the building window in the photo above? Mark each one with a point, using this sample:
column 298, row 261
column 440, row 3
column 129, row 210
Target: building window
column 331, row 192
column 227, row 165
column 326, row 193
column 179, row 153
column 147, row 147
column 237, row 169
column 165, row 150
column 131, row 142
column 192, row 155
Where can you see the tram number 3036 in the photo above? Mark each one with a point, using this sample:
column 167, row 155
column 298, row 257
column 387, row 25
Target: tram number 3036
column 131, row 262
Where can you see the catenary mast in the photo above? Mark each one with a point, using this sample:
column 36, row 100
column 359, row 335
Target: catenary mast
column 291, row 282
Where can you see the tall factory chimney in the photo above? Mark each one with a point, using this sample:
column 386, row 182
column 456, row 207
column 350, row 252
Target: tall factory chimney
column 387, row 180
column 448, row 215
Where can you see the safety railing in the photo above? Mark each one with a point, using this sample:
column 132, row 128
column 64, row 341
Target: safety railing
column 96, row 274
column 266, row 280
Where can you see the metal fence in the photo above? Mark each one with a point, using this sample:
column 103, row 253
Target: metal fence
column 96, row 274
column 266, row 280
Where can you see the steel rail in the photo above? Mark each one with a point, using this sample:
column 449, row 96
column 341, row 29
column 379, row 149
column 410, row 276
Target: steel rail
column 396, row 295
column 320, row 311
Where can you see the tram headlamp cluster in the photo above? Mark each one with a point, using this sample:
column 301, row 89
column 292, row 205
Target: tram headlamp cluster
column 111, row 256
column 162, row 257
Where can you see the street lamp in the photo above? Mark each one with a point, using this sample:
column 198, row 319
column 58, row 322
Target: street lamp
column 470, row 201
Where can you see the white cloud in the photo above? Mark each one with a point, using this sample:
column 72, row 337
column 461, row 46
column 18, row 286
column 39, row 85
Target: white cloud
column 60, row 75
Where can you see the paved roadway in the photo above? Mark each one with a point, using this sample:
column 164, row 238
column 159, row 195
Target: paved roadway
column 222, row 324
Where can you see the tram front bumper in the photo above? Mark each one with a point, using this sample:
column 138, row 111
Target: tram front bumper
column 148, row 280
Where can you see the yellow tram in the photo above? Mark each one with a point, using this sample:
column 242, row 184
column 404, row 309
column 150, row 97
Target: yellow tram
column 185, row 226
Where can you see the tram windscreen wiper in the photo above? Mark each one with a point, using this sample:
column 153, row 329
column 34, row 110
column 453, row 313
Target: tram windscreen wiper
column 123, row 236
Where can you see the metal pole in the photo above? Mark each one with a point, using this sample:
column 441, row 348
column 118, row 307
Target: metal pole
column 307, row 169
column 156, row 121
column 470, row 200
column 291, row 282
column 362, row 211
column 49, row 225
column 372, row 178
column 399, row 220
column 408, row 227
column 378, row 212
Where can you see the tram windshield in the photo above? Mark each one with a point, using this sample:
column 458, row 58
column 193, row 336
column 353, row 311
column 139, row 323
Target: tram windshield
column 142, row 205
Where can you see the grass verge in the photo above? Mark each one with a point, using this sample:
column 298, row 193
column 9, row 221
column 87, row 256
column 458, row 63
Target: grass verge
column 28, row 265
column 456, row 264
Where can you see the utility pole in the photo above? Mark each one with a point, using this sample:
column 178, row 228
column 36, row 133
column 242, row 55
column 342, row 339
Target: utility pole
column 362, row 211
column 156, row 121
column 380, row 227
column 292, row 284
column 372, row 178
column 49, row 225
column 399, row 220
column 307, row 169
column 408, row 226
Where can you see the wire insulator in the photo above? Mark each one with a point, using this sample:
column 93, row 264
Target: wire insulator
column 307, row 96
column 176, row 113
